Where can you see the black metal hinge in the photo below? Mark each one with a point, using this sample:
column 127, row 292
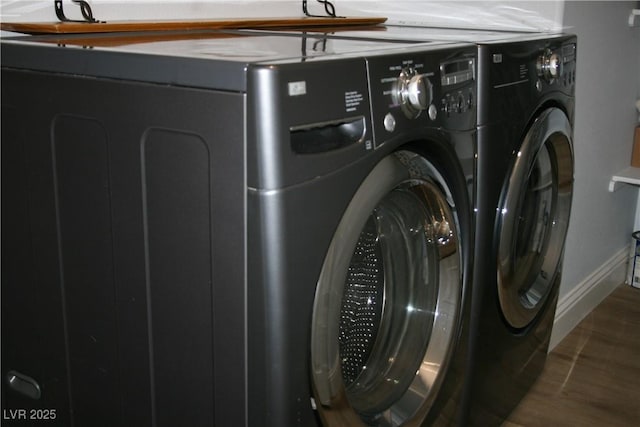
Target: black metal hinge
column 329, row 8
column 85, row 8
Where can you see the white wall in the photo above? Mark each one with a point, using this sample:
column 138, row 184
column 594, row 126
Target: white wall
column 606, row 90
column 121, row 10
column 519, row 15
column 504, row 14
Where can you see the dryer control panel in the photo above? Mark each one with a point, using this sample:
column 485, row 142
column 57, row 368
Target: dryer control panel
column 410, row 91
column 557, row 64
column 516, row 78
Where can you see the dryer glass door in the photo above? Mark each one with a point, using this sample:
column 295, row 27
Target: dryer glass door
column 388, row 298
column 534, row 217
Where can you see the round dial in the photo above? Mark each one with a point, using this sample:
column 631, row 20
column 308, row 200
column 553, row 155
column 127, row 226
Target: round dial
column 549, row 66
column 414, row 92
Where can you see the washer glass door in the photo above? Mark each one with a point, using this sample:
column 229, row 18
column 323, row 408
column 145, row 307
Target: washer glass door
column 388, row 299
column 534, row 218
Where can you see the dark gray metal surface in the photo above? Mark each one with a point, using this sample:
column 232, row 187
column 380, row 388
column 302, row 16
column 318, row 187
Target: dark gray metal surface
column 164, row 237
column 123, row 282
column 296, row 201
column 507, row 359
column 211, row 59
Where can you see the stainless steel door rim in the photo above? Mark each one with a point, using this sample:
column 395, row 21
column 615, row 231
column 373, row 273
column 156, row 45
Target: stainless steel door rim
column 388, row 298
column 534, row 217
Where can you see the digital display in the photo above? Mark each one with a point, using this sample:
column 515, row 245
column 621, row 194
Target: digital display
column 455, row 67
column 456, row 72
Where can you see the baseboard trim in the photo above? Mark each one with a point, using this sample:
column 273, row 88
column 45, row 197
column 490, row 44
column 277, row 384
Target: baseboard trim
column 579, row 302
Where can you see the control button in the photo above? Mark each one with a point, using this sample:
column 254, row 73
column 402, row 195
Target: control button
column 447, row 108
column 433, row 112
column 461, row 104
column 389, row 122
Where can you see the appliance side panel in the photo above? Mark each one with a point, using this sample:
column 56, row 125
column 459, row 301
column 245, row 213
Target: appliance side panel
column 128, row 201
column 176, row 206
column 33, row 339
column 83, row 210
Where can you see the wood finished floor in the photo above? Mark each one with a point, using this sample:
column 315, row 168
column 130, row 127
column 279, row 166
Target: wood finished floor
column 592, row 378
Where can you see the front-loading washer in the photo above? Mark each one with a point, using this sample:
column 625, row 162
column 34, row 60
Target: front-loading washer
column 208, row 228
column 394, row 283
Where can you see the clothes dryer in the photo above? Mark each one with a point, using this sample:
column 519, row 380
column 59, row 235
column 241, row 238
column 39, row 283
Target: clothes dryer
column 211, row 228
column 525, row 183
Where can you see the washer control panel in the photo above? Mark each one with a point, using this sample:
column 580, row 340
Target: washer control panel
column 434, row 88
column 455, row 74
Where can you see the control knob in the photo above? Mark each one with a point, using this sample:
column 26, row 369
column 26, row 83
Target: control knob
column 414, row 92
column 549, row 66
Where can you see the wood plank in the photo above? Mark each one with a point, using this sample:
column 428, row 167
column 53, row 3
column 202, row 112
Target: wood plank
column 182, row 25
column 127, row 38
column 592, row 378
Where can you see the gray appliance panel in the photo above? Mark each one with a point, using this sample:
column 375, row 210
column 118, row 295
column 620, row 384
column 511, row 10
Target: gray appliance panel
column 123, row 279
